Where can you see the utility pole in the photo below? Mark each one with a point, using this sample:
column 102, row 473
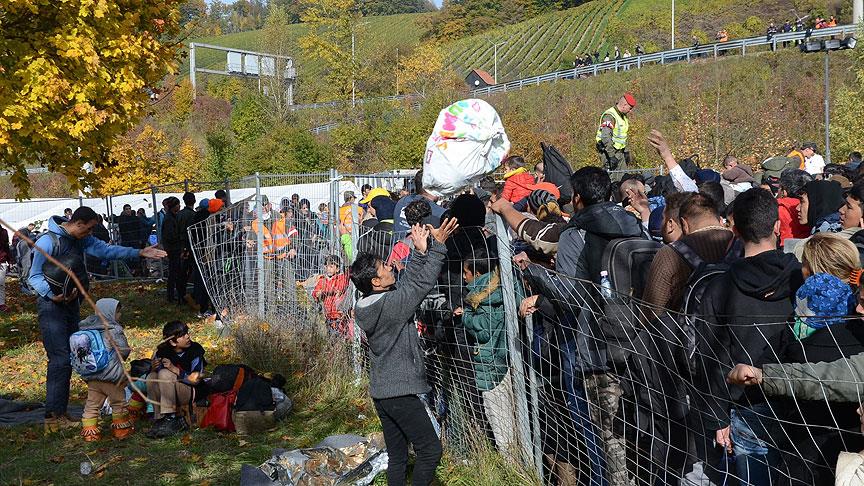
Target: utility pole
column 857, row 11
column 673, row 24
column 353, row 76
column 397, row 71
column 827, row 113
column 192, row 67
column 495, row 59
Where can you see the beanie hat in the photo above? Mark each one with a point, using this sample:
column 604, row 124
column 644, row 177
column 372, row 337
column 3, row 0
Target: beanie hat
column 215, row 205
column 203, row 204
column 538, row 198
column 384, row 207
column 706, row 175
column 655, row 222
column 822, row 301
column 628, row 97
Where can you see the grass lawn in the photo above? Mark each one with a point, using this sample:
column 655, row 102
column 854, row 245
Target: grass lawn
column 200, row 457
column 324, row 404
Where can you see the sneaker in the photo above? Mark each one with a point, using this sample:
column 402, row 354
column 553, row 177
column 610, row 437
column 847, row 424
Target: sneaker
column 168, row 426
column 157, row 428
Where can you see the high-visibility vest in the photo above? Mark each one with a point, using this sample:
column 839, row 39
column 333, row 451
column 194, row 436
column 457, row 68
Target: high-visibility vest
column 795, row 154
column 277, row 239
column 619, row 132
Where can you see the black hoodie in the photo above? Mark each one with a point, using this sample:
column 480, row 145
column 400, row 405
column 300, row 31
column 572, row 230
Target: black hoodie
column 745, row 310
column 824, row 198
column 581, row 246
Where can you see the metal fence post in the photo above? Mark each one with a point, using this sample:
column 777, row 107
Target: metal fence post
column 355, row 235
column 185, row 185
column 535, row 401
column 505, row 257
column 259, row 214
column 227, row 188
column 334, row 210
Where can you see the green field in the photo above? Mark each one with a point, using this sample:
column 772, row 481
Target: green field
column 545, row 43
column 380, row 34
column 539, row 45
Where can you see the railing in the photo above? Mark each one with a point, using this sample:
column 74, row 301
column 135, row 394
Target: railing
column 685, row 54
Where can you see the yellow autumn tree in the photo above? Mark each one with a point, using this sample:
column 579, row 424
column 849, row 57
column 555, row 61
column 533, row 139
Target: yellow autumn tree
column 141, row 160
column 423, row 69
column 74, row 76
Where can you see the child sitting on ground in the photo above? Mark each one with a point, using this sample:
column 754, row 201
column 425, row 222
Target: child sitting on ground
column 330, row 291
column 175, row 370
column 109, row 381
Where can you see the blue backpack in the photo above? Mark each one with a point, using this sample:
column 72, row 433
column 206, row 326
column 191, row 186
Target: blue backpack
column 88, row 353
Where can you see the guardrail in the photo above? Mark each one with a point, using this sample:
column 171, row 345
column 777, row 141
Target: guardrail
column 684, row 54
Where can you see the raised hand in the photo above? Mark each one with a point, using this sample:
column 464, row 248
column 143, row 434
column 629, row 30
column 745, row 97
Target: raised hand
column 443, row 232
column 420, row 236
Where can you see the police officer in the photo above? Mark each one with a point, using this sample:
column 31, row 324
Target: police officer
column 612, row 134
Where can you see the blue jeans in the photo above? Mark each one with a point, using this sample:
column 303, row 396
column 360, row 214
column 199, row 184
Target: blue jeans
column 577, row 405
column 749, row 427
column 57, row 322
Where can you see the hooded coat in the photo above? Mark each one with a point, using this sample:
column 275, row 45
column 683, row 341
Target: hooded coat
column 113, row 373
column 579, row 260
column 483, row 318
column 745, row 311
column 824, row 199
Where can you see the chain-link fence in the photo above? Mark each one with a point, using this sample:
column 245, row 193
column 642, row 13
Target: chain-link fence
column 578, row 382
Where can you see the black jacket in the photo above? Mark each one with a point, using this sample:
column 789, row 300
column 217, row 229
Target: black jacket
column 745, row 311
column 185, row 218
column 171, row 238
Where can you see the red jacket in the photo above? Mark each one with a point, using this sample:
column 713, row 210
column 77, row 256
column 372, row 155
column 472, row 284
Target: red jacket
column 518, row 185
column 789, row 225
column 332, row 291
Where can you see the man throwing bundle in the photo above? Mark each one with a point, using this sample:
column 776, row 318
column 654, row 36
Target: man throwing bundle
column 612, row 134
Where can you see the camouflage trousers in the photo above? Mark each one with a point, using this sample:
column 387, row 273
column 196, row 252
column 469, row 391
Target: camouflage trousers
column 604, row 396
column 617, row 160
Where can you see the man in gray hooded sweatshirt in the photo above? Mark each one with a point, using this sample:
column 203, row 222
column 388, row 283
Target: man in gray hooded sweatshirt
column 397, row 372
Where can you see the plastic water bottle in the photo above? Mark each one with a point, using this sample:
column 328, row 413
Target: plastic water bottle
column 605, row 285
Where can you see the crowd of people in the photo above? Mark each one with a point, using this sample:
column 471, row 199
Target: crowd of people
column 764, row 266
column 644, row 365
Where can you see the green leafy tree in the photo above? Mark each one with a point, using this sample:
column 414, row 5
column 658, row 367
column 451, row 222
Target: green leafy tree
column 332, row 24
column 276, row 39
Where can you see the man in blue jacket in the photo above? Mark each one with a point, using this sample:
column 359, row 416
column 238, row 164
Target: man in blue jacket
column 59, row 315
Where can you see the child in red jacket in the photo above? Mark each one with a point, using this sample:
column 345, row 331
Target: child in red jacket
column 518, row 181
column 330, row 291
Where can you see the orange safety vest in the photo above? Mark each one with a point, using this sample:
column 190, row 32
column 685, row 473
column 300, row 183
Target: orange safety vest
column 797, row 155
column 345, row 214
column 277, row 239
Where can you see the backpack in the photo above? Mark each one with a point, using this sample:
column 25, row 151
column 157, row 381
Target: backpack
column 25, row 259
column 88, row 352
column 627, row 261
column 692, row 304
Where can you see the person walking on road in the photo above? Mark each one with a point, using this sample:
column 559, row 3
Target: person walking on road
column 612, row 134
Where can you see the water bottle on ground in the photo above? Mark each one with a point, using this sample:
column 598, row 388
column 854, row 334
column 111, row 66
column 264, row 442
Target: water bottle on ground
column 605, row 285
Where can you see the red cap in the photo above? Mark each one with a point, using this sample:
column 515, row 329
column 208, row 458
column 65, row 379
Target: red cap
column 628, row 97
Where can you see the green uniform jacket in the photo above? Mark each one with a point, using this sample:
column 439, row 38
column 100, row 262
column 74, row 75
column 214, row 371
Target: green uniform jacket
column 838, row 381
column 483, row 318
